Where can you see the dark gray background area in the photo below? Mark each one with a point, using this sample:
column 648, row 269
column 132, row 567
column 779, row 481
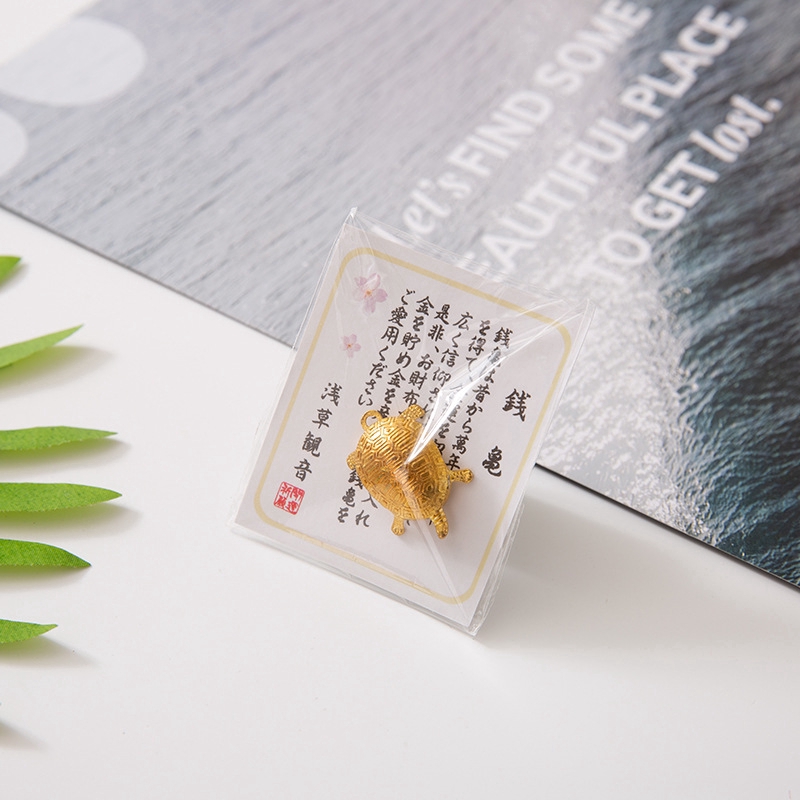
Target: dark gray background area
column 227, row 168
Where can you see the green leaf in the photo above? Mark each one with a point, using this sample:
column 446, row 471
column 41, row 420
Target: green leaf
column 40, row 438
column 50, row 496
column 11, row 631
column 16, row 352
column 33, row 554
column 7, row 264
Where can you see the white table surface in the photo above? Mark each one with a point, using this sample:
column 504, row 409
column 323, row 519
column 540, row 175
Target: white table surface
column 620, row 660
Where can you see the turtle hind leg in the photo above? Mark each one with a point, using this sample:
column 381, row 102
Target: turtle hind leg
column 439, row 520
column 398, row 526
column 463, row 475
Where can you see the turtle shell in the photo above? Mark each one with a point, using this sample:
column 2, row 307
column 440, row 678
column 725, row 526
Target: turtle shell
column 410, row 488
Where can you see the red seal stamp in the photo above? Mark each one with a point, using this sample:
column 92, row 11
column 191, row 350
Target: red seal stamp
column 289, row 497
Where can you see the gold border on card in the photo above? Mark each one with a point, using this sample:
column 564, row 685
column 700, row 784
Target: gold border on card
column 361, row 251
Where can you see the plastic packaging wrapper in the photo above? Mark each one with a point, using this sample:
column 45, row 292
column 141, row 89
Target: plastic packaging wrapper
column 413, row 411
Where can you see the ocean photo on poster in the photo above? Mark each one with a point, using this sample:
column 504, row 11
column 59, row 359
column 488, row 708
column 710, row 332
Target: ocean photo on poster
column 238, row 137
column 719, row 456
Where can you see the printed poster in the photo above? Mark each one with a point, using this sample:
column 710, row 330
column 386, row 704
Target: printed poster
column 642, row 154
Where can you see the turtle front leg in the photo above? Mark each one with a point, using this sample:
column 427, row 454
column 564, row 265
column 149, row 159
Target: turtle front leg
column 398, row 526
column 439, row 520
column 463, row 475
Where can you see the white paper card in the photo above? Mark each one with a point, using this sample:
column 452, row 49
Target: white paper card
column 392, row 326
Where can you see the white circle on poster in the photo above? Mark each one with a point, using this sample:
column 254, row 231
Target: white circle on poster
column 85, row 61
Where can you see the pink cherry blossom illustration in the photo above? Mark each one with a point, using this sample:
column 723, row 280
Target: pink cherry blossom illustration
column 368, row 291
column 350, row 345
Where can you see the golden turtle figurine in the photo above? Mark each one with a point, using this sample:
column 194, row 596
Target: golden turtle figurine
column 410, row 490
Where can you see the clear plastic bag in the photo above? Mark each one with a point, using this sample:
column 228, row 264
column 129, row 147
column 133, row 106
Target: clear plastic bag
column 411, row 417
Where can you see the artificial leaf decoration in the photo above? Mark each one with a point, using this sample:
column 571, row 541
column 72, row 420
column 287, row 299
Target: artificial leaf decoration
column 33, row 554
column 50, row 496
column 37, row 497
column 11, row 631
column 7, row 264
column 16, row 352
column 41, row 438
